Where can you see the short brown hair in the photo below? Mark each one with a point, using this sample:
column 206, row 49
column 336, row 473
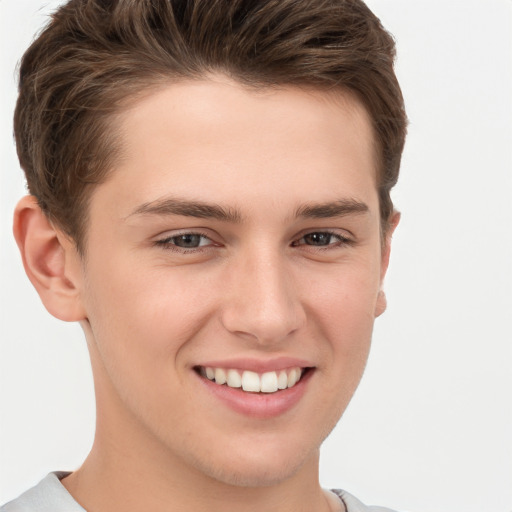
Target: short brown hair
column 95, row 54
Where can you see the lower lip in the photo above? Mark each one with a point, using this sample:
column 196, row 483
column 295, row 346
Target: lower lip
column 259, row 405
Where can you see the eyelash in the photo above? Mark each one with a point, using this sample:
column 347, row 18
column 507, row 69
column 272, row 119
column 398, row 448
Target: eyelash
column 342, row 241
column 169, row 244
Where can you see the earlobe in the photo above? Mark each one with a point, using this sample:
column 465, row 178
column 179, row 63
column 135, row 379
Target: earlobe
column 381, row 303
column 50, row 259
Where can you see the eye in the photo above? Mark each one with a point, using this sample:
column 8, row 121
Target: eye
column 322, row 239
column 185, row 241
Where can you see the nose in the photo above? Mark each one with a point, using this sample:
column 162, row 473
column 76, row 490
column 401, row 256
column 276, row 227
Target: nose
column 262, row 299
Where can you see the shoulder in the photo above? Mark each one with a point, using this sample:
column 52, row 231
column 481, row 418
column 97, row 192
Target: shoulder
column 352, row 504
column 49, row 495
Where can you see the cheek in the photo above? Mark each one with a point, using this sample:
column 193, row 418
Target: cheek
column 137, row 330
column 346, row 301
column 143, row 320
column 345, row 314
column 138, row 300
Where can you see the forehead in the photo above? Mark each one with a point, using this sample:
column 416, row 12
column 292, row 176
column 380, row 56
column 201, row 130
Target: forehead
column 216, row 139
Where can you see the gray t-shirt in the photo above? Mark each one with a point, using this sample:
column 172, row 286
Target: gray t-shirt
column 49, row 495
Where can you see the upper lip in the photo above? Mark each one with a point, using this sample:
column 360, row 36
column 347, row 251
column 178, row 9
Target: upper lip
column 259, row 365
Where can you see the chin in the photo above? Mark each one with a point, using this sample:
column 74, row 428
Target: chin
column 263, row 458
column 266, row 475
column 256, row 469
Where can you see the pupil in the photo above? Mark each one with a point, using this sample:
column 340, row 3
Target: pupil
column 318, row 238
column 187, row 241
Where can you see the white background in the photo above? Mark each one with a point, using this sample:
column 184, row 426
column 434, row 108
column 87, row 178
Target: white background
column 430, row 429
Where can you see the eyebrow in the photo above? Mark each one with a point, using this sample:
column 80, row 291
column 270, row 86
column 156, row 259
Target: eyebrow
column 187, row 208
column 203, row 210
column 340, row 208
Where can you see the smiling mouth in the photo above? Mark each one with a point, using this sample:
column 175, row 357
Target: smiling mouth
column 253, row 382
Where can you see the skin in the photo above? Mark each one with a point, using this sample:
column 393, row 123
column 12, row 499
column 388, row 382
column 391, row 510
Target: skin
column 258, row 286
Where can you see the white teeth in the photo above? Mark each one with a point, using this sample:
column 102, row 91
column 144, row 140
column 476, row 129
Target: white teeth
column 282, row 380
column 220, row 376
column 234, row 380
column 251, row 382
column 268, row 382
column 293, row 377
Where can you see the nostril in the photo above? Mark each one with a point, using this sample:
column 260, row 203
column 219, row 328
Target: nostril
column 263, row 324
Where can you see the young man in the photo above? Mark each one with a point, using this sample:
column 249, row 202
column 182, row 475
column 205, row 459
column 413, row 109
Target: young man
column 210, row 200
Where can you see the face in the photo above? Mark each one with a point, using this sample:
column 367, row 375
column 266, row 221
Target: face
column 237, row 238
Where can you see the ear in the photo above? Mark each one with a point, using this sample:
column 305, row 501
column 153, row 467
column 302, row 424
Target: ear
column 382, row 303
column 51, row 261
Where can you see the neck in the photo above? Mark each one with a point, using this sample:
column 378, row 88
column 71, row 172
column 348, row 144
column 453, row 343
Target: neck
column 107, row 481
